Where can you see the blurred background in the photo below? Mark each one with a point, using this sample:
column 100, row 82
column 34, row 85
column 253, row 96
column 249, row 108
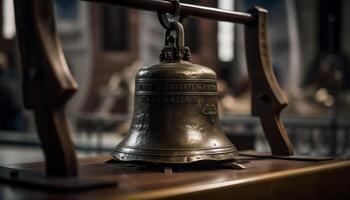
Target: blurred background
column 105, row 46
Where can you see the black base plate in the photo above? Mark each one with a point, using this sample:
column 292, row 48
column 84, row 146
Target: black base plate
column 33, row 179
column 292, row 157
column 194, row 166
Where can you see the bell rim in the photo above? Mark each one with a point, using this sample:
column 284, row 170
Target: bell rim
column 174, row 159
column 223, row 148
column 159, row 156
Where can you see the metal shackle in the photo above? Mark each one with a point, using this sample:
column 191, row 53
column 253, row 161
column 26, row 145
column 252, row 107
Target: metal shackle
column 180, row 34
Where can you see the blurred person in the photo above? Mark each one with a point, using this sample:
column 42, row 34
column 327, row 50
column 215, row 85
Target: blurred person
column 10, row 104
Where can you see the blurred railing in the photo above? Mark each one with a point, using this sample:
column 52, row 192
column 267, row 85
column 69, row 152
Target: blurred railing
column 310, row 136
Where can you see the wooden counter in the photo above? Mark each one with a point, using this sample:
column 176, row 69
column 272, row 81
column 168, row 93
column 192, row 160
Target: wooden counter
column 263, row 179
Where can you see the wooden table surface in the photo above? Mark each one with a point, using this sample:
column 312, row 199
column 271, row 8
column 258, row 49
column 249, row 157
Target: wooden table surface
column 262, row 179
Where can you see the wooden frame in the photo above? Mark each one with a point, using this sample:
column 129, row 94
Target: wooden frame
column 48, row 84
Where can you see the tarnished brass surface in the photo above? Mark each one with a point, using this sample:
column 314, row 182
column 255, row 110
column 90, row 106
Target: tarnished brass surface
column 175, row 117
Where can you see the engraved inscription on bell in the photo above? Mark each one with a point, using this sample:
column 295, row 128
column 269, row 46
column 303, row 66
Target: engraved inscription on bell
column 174, row 91
column 169, row 99
column 204, row 87
column 210, row 111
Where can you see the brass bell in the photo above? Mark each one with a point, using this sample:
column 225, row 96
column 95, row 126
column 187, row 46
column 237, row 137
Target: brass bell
column 175, row 117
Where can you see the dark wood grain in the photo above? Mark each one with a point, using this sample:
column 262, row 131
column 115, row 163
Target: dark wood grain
column 267, row 97
column 47, row 83
column 263, row 179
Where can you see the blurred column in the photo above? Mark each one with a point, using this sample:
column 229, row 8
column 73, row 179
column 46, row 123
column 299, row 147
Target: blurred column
column 226, row 34
column 240, row 61
column 151, row 37
column 9, row 28
column 294, row 75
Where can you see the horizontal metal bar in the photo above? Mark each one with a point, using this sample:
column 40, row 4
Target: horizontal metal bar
column 185, row 9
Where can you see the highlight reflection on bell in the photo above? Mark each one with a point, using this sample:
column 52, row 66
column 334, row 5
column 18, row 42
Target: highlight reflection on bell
column 175, row 117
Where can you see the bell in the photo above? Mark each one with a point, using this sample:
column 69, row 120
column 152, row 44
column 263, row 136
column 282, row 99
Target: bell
column 175, row 118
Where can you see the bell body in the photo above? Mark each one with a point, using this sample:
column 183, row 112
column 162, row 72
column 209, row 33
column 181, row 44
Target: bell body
column 175, row 118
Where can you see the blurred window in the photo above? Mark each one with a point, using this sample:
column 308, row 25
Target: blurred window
column 66, row 10
column 115, row 28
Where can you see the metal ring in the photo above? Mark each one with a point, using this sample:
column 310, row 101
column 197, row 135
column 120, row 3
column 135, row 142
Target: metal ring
column 180, row 33
column 166, row 19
